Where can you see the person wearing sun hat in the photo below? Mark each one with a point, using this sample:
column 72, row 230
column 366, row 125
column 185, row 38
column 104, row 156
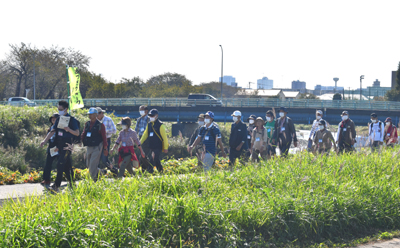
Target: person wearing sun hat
column 210, row 137
column 95, row 139
column 238, row 138
column 259, row 139
column 285, row 132
column 50, row 157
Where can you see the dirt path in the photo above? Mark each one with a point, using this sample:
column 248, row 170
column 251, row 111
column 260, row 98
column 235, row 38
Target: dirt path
column 394, row 243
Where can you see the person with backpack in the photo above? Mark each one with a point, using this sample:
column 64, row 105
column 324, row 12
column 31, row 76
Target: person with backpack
column 323, row 139
column 95, row 139
column 127, row 138
column 237, row 139
column 390, row 134
column 209, row 136
column 346, row 134
column 158, row 142
column 270, row 127
column 376, row 131
column 66, row 134
column 314, row 128
column 259, row 140
column 52, row 154
column 284, row 133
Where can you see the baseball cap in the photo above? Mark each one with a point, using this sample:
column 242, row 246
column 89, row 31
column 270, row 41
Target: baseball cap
column 319, row 112
column 374, row 115
column 209, row 113
column 388, row 119
column 99, row 110
column 322, row 122
column 153, row 112
column 345, row 113
column 237, row 113
column 92, row 111
column 252, row 117
column 284, row 109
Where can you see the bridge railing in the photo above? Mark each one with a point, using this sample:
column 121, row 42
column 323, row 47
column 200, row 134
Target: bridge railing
column 234, row 102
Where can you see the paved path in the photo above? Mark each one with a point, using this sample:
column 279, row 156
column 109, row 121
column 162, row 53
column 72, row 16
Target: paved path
column 394, row 243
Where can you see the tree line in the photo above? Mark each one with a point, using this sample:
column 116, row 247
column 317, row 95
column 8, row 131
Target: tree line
column 24, row 62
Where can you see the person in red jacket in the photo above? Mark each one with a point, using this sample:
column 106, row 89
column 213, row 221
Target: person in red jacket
column 390, row 134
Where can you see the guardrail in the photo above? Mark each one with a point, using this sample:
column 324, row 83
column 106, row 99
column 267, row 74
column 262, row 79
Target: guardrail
column 236, row 102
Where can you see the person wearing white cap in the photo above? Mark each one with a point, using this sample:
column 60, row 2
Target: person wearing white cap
column 314, row 128
column 95, row 139
column 238, row 138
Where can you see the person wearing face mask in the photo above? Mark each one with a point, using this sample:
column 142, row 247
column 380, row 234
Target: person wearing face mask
column 157, row 138
column 323, row 139
column 314, row 128
column 284, row 133
column 209, row 136
column 238, row 138
column 259, row 139
column 110, row 130
column 346, row 134
column 50, row 157
column 141, row 124
column 376, row 131
column 198, row 150
column 64, row 138
column 127, row 138
column 95, row 139
column 251, row 120
column 270, row 127
column 390, row 133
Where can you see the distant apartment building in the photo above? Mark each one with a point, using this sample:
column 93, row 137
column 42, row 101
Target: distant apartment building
column 394, row 74
column 265, row 83
column 299, row 85
column 229, row 80
column 320, row 90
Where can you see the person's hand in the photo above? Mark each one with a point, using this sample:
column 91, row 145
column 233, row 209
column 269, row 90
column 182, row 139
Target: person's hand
column 56, row 150
column 295, row 144
column 309, row 139
column 165, row 150
column 142, row 153
column 111, row 151
column 67, row 129
column 337, row 141
column 42, row 143
column 105, row 152
column 239, row 147
column 273, row 141
column 190, row 148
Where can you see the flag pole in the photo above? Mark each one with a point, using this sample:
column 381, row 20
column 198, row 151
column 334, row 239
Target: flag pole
column 68, row 89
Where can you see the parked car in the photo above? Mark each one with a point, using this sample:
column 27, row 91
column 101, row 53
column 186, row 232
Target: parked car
column 203, row 99
column 20, row 101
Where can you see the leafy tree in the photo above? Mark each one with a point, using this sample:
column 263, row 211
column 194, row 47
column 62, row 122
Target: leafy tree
column 337, row 96
column 394, row 94
column 307, row 96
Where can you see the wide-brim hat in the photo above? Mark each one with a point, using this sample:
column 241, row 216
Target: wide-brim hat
column 252, row 117
column 53, row 116
column 260, row 119
column 236, row 113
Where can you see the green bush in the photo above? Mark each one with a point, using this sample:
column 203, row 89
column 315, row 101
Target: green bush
column 13, row 159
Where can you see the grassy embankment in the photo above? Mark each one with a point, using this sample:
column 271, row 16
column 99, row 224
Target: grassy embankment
column 299, row 201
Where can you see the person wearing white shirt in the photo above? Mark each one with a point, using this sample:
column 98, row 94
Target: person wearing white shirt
column 376, row 132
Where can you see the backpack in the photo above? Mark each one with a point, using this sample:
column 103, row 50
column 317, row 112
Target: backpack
column 75, row 139
column 379, row 130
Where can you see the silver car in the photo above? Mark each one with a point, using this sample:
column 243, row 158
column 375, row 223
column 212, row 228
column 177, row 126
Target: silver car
column 20, row 101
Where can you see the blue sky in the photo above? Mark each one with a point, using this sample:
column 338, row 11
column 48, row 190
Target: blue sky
column 312, row 41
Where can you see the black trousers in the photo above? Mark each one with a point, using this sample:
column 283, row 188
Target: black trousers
column 63, row 165
column 284, row 147
column 48, row 165
column 154, row 161
column 343, row 146
column 233, row 155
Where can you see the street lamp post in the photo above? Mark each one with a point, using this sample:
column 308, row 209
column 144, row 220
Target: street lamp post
column 222, row 68
column 361, row 78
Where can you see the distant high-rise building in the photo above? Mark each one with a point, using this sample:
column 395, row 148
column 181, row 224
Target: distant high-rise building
column 265, row 83
column 229, row 80
column 394, row 74
column 298, row 85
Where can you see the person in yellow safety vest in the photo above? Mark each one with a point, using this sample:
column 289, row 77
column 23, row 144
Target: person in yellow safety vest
column 157, row 138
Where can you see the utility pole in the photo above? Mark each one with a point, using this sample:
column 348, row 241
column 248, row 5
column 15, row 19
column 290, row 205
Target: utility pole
column 34, row 78
column 361, row 78
column 222, row 68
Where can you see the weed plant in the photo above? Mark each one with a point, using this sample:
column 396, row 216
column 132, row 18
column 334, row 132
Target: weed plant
column 299, row 201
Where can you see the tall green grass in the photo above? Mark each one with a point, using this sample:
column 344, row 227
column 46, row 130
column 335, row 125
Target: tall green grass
column 299, row 201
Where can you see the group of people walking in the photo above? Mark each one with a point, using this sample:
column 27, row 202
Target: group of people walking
column 257, row 140
column 149, row 136
column 261, row 138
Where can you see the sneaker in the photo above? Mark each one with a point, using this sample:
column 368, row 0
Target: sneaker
column 54, row 189
column 45, row 184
